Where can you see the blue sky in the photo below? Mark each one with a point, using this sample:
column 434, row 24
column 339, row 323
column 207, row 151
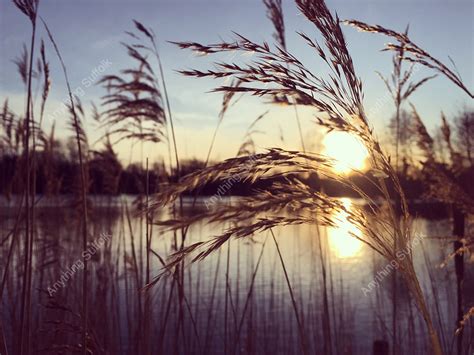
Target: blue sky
column 89, row 32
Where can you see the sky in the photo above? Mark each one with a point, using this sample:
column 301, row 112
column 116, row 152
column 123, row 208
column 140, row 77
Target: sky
column 89, row 33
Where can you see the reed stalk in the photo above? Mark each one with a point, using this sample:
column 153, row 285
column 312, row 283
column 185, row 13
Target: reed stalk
column 30, row 9
column 84, row 189
column 304, row 347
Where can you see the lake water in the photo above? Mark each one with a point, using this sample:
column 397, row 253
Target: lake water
column 236, row 301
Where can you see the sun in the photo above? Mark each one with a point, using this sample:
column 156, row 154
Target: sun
column 347, row 150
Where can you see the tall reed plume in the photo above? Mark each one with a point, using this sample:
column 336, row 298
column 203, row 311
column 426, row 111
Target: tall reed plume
column 282, row 77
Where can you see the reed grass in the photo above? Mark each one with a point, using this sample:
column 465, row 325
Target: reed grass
column 30, row 9
column 80, row 140
column 137, row 108
column 401, row 88
column 415, row 54
column 275, row 15
column 279, row 74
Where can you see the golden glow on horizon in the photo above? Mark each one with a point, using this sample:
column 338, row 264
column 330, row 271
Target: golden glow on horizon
column 347, row 150
column 342, row 240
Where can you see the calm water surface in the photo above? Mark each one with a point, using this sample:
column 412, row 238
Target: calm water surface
column 235, row 301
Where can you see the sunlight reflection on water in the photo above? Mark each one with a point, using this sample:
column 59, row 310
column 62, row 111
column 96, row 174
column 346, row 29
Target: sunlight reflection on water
column 342, row 240
column 320, row 262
